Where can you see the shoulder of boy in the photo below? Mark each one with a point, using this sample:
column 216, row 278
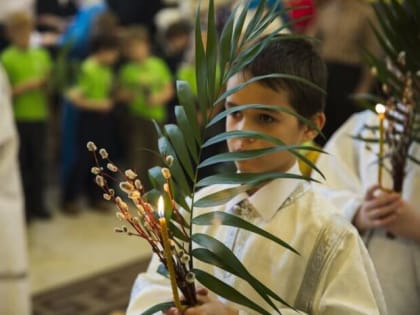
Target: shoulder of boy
column 7, row 55
column 158, row 62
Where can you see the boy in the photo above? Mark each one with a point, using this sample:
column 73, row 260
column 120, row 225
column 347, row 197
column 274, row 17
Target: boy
column 28, row 69
column 146, row 85
column 92, row 95
column 389, row 221
column 333, row 274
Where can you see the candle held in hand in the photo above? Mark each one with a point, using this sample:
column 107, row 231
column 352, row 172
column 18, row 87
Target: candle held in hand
column 381, row 109
column 168, row 252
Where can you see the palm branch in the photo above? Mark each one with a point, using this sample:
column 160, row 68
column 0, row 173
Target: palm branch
column 398, row 72
column 181, row 146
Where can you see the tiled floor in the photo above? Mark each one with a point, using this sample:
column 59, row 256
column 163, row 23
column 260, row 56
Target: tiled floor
column 69, row 248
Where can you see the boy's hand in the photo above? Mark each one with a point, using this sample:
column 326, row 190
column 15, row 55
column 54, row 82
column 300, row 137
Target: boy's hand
column 407, row 222
column 34, row 84
column 209, row 305
column 29, row 85
column 379, row 209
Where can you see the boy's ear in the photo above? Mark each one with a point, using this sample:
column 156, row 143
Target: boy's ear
column 319, row 120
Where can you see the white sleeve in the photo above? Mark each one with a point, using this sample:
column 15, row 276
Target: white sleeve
column 342, row 184
column 350, row 285
column 150, row 288
column 14, row 285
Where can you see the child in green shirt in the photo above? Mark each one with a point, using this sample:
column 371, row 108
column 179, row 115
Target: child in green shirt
column 146, row 86
column 28, row 70
column 92, row 94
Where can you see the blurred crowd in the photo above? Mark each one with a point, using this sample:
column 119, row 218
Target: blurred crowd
column 102, row 71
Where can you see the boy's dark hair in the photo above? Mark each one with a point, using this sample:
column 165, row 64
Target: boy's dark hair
column 100, row 42
column 136, row 33
column 178, row 28
column 298, row 57
column 17, row 20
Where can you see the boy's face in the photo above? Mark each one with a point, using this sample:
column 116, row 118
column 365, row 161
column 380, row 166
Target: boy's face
column 21, row 36
column 138, row 50
column 277, row 124
column 108, row 56
column 178, row 43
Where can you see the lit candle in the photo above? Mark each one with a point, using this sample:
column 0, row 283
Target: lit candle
column 380, row 109
column 168, row 252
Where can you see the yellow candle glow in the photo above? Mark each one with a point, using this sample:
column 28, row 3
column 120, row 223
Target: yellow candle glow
column 380, row 109
column 168, row 253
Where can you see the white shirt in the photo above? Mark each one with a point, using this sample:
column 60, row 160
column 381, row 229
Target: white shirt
column 14, row 283
column 333, row 275
column 350, row 169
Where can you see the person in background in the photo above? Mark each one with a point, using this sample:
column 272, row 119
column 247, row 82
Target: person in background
column 28, row 70
column 6, row 8
column 92, row 95
column 145, row 84
column 132, row 13
column 350, row 22
column 301, row 14
column 14, row 281
column 175, row 42
column 388, row 221
column 91, row 20
column 333, row 273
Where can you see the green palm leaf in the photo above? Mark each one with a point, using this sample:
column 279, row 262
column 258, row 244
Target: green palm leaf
column 277, row 108
column 226, row 291
column 188, row 101
column 217, row 254
column 248, row 178
column 158, row 308
column 187, row 131
column 212, row 53
column 246, row 155
column 166, row 148
column 220, row 197
column 224, row 218
column 178, row 142
column 263, row 77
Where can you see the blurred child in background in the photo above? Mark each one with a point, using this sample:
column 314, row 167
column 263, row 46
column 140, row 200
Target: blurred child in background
column 28, row 70
column 146, row 86
column 92, row 94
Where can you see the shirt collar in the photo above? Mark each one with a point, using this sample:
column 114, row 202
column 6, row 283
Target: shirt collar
column 269, row 198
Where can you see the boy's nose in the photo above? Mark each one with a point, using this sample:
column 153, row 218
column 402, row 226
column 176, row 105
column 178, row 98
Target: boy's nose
column 243, row 125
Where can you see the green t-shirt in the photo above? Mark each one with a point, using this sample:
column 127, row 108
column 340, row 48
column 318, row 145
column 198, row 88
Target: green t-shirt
column 95, row 81
column 146, row 79
column 23, row 65
column 187, row 73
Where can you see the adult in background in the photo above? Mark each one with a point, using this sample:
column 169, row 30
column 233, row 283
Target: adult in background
column 344, row 30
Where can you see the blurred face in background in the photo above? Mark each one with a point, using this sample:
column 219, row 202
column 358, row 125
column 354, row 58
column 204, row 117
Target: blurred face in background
column 108, row 56
column 138, row 50
column 19, row 27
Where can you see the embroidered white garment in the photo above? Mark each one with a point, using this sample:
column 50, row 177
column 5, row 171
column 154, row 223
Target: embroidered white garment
column 350, row 169
column 333, row 275
column 14, row 282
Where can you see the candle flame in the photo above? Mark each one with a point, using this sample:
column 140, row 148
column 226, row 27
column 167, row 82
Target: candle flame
column 380, row 109
column 161, row 207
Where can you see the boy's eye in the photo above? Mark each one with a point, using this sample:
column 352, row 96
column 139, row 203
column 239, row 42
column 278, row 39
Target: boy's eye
column 236, row 114
column 266, row 118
